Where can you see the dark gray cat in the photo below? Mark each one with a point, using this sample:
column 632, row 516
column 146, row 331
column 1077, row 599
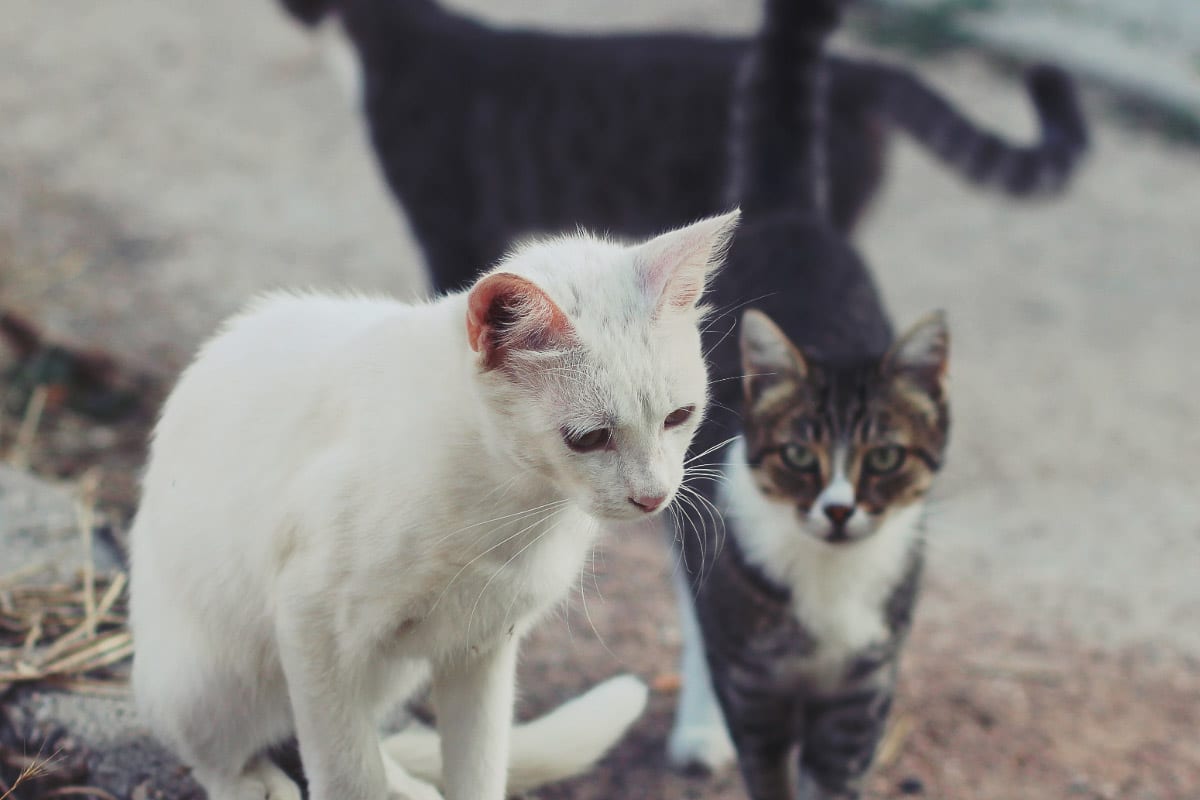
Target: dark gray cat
column 487, row 134
column 838, row 430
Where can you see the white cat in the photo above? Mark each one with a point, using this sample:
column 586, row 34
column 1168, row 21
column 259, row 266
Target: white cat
column 346, row 496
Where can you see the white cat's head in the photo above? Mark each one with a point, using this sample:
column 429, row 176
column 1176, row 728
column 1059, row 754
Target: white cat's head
column 590, row 360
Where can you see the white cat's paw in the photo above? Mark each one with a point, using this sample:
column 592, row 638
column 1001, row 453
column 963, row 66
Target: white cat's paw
column 700, row 748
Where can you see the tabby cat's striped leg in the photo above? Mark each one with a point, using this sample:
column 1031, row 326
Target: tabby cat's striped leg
column 763, row 730
column 766, row 766
column 839, row 741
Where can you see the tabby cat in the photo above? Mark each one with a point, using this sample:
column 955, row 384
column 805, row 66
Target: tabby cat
column 801, row 615
column 487, row 134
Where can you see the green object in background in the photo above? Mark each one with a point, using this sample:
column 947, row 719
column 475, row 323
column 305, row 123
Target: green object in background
column 924, row 29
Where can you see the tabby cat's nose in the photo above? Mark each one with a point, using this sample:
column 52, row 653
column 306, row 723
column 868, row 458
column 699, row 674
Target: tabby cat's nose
column 648, row 503
column 838, row 514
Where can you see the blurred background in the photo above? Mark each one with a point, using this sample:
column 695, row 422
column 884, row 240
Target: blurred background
column 161, row 160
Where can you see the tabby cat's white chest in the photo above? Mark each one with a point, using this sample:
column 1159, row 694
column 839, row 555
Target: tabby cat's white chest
column 839, row 592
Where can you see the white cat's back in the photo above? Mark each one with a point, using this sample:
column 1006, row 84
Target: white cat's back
column 265, row 398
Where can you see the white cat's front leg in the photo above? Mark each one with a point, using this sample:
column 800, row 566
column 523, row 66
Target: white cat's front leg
column 339, row 743
column 699, row 738
column 474, row 701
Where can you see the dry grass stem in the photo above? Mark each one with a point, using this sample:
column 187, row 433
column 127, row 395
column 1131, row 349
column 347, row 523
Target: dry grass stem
column 893, row 740
column 23, row 446
column 62, row 635
column 85, row 515
column 34, row 767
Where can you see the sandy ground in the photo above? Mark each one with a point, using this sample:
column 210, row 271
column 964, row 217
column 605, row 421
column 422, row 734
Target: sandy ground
column 160, row 160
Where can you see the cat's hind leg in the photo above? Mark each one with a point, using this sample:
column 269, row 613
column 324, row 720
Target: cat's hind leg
column 261, row 780
column 217, row 706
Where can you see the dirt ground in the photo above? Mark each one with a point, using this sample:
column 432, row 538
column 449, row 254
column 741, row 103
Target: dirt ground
column 161, row 160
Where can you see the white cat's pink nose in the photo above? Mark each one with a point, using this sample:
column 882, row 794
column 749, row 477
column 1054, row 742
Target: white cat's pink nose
column 648, row 503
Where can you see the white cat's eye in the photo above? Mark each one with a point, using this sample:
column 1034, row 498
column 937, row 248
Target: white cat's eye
column 678, row 417
column 799, row 457
column 881, row 460
column 596, row 439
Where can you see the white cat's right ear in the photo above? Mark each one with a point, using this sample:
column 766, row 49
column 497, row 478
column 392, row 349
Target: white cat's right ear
column 768, row 356
column 506, row 313
column 675, row 267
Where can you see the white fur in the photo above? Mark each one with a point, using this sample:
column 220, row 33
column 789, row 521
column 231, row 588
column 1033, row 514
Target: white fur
column 340, row 58
column 341, row 503
column 699, row 737
column 559, row 745
column 838, row 592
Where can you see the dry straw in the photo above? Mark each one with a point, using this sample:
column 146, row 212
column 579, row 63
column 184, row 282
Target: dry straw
column 66, row 635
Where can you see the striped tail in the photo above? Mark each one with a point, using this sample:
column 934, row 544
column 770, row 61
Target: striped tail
column 983, row 157
column 778, row 156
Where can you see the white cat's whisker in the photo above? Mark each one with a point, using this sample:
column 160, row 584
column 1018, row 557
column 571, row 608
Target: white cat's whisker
column 588, row 614
column 516, row 516
column 555, row 507
column 718, row 519
column 711, row 449
column 721, row 314
column 690, row 525
column 741, row 377
column 724, row 336
column 699, row 525
column 514, row 556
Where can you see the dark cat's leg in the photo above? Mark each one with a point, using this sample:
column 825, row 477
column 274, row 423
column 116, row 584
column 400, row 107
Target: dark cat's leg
column 766, row 765
column 839, row 740
column 762, row 726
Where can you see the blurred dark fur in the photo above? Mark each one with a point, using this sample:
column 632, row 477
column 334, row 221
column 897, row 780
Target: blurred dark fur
column 486, row 134
column 88, row 382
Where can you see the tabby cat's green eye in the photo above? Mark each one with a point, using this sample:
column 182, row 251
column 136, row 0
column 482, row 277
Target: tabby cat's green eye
column 881, row 460
column 799, row 457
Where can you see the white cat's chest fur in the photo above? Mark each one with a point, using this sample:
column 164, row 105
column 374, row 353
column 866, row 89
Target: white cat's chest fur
column 839, row 592
column 497, row 580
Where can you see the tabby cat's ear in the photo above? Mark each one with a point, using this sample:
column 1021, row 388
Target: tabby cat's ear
column 922, row 353
column 507, row 313
column 675, row 267
column 768, row 356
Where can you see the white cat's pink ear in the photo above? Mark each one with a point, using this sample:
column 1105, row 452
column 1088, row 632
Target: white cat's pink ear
column 506, row 313
column 675, row 267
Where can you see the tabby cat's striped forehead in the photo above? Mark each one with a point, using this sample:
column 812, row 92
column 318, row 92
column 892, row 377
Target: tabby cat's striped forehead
column 828, row 405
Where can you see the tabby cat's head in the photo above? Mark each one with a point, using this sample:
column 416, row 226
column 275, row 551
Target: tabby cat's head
column 846, row 446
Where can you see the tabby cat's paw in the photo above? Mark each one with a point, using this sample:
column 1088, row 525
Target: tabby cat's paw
column 700, row 748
